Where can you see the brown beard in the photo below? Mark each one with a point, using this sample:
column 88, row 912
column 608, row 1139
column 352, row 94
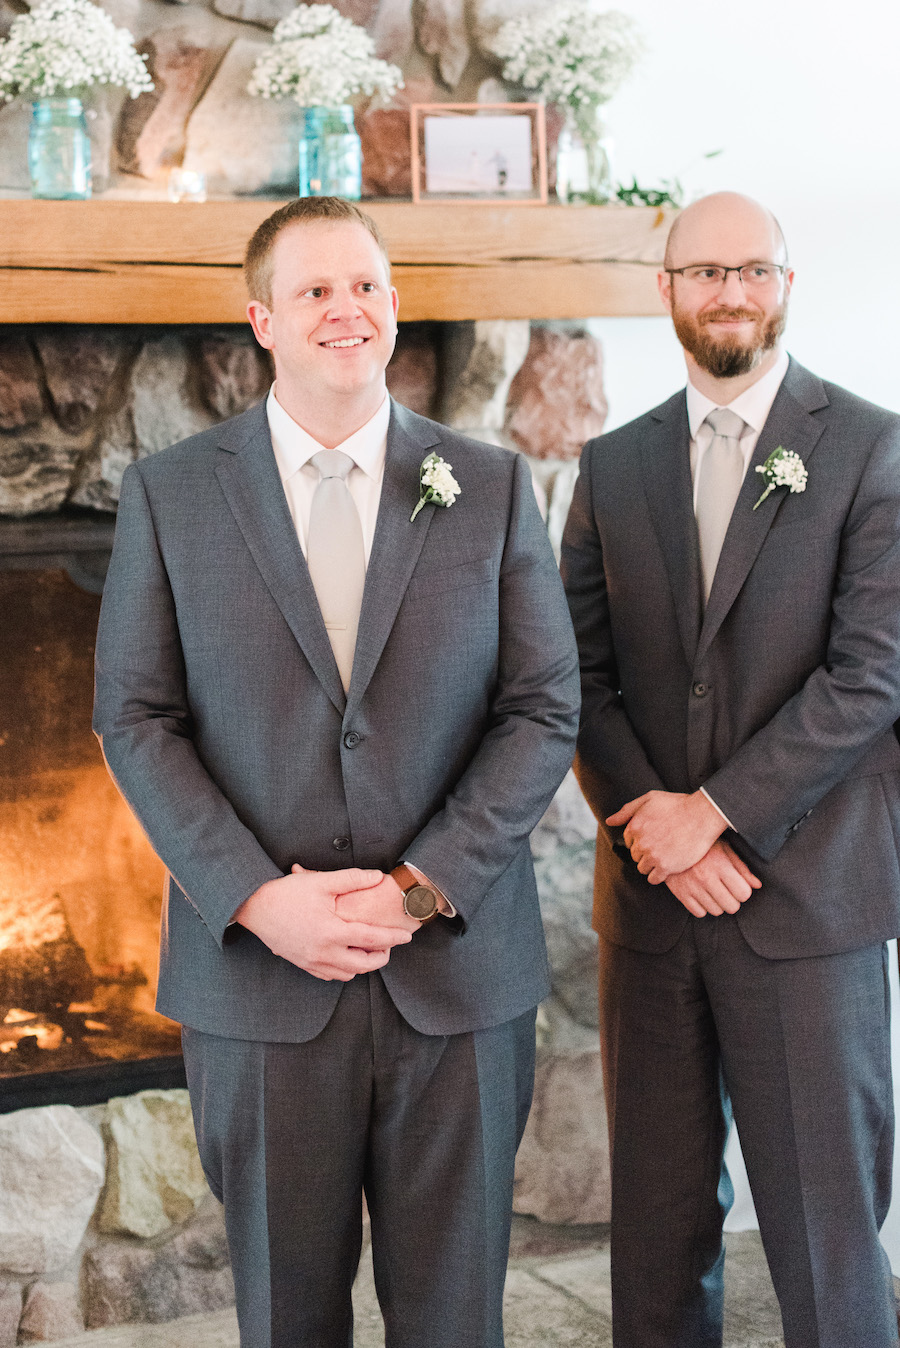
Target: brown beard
column 728, row 357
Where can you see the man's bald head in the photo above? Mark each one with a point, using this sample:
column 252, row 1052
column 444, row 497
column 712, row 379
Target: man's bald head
column 725, row 221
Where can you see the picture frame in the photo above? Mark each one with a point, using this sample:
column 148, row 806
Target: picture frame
column 479, row 152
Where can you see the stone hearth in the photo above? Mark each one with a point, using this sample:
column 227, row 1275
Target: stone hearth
column 105, row 1218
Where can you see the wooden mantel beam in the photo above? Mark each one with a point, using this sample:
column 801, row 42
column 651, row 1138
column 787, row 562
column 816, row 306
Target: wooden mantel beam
column 140, row 261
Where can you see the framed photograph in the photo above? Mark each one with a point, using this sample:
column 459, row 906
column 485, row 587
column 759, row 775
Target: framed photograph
column 491, row 152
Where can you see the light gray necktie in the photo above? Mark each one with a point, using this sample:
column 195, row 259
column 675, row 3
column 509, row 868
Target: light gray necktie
column 721, row 475
column 336, row 556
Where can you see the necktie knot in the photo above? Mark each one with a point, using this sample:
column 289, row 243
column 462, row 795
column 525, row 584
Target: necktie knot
column 332, row 463
column 726, row 423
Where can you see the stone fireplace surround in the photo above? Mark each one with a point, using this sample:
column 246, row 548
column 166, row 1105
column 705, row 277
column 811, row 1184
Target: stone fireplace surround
column 79, row 402
column 104, row 1213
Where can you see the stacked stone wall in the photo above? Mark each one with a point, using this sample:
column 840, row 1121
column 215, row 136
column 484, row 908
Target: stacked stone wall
column 79, row 403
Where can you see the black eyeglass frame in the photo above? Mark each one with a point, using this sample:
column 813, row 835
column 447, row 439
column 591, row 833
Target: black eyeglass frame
column 780, row 267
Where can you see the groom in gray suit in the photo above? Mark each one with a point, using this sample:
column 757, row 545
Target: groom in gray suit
column 732, row 561
column 337, row 683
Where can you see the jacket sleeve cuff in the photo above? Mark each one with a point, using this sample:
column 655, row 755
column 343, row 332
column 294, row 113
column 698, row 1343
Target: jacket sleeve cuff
column 704, row 792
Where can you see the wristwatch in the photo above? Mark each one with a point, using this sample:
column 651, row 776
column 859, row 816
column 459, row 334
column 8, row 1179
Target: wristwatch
column 419, row 901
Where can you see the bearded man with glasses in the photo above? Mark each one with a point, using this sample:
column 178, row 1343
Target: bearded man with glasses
column 732, row 561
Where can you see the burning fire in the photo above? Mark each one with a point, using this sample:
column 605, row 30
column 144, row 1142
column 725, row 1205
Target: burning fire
column 42, row 966
column 47, row 989
column 43, row 921
column 80, row 888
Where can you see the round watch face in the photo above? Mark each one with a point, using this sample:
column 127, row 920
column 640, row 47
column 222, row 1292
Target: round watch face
column 420, row 902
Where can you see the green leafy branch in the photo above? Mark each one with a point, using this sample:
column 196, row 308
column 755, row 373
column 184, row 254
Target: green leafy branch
column 670, row 191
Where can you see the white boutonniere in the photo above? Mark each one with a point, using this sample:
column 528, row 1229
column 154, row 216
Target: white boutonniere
column 783, row 468
column 437, row 485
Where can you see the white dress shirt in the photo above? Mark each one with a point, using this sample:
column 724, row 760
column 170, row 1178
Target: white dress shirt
column 294, row 447
column 367, row 447
column 754, row 406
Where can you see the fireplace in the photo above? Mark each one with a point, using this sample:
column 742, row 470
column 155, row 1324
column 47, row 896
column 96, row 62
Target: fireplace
column 80, row 888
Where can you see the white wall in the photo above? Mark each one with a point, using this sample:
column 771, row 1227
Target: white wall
column 804, row 97
column 808, row 113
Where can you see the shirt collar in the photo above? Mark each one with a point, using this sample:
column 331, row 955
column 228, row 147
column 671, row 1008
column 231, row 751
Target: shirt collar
column 294, row 447
column 753, row 405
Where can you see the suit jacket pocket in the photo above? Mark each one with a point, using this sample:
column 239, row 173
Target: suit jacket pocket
column 445, row 579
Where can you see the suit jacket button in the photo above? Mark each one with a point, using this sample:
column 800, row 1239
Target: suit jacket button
column 700, row 689
column 340, row 844
column 351, row 739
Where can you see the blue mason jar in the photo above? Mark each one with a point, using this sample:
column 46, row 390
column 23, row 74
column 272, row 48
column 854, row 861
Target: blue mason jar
column 59, row 150
column 330, row 154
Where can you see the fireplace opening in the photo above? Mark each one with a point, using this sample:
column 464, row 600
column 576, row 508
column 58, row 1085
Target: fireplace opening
column 80, row 887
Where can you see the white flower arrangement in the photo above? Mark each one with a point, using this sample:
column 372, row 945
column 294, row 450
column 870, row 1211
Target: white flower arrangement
column 65, row 46
column 783, row 468
column 437, row 485
column 321, row 59
column 568, row 53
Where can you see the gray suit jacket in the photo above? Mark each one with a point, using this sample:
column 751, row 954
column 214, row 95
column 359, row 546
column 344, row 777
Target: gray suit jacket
column 223, row 720
column 780, row 698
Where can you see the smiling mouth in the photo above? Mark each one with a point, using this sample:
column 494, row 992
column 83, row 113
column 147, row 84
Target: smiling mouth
column 727, row 319
column 341, row 343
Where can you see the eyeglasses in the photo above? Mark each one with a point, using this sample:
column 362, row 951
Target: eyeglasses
column 751, row 274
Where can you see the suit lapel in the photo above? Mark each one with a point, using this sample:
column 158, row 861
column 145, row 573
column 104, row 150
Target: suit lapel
column 667, row 482
column 397, row 543
column 249, row 478
column 790, row 424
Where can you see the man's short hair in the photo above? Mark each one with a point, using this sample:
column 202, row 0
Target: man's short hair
column 303, row 211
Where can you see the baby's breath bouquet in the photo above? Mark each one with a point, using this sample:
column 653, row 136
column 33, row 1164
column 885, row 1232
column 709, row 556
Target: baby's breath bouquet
column 64, row 47
column 571, row 55
column 319, row 58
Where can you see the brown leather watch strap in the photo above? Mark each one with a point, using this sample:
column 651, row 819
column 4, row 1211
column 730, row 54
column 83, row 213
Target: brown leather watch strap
column 404, row 877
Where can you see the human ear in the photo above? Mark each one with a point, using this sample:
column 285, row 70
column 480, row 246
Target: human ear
column 664, row 286
column 260, row 320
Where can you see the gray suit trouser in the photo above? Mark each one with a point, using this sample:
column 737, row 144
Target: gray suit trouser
column 801, row 1050
column 291, row 1135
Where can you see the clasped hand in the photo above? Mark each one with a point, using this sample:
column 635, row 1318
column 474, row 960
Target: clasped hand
column 333, row 924
column 675, row 839
column 719, row 883
column 667, row 831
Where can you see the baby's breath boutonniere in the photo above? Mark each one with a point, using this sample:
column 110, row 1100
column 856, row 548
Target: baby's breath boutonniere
column 437, row 485
column 783, row 468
